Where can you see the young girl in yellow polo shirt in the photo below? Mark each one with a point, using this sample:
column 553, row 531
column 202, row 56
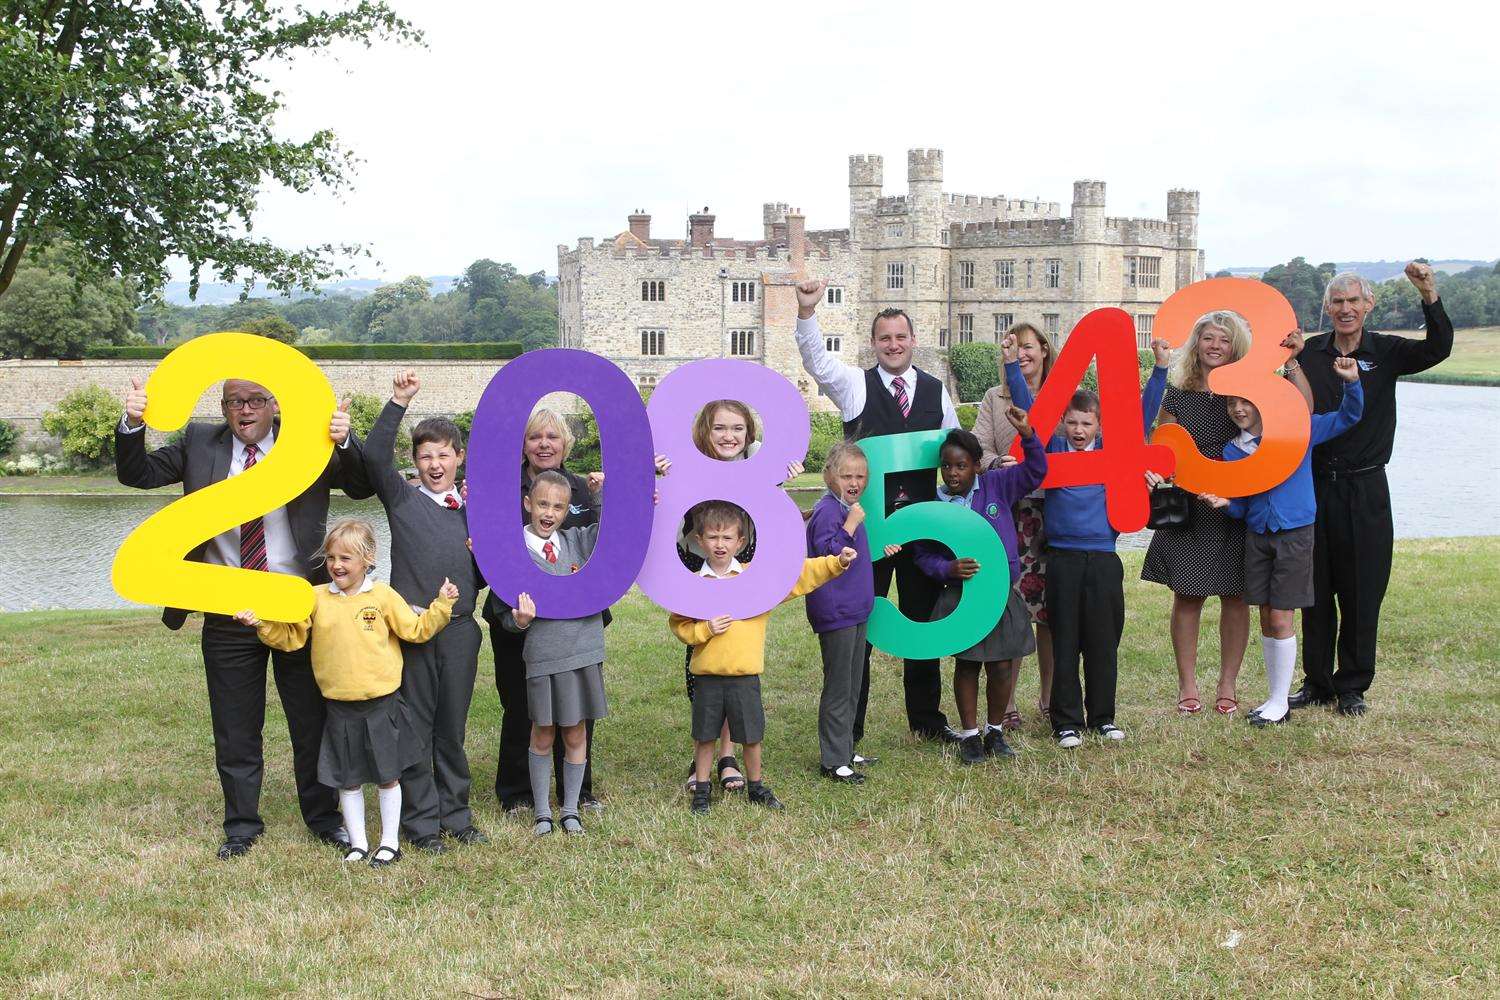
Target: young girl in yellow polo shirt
column 356, row 657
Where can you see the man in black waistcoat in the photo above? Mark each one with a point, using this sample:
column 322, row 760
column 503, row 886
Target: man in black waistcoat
column 893, row 397
column 1353, row 533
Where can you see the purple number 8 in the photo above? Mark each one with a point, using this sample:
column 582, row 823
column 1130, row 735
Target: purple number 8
column 752, row 483
column 495, row 481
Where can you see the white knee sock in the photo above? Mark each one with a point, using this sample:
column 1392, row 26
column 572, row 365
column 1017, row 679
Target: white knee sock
column 352, row 805
column 390, row 815
column 1281, row 663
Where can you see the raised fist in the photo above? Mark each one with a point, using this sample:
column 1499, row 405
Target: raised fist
column 809, row 294
column 1009, row 349
column 847, row 556
column 1347, row 368
column 1421, row 275
column 135, row 403
column 1162, row 352
column 1295, row 341
column 1019, row 420
column 404, row 386
column 856, row 515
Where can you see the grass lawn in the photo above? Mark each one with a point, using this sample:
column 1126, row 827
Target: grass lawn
column 1200, row 858
column 1476, row 355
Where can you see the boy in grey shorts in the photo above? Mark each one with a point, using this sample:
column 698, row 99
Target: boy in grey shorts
column 1279, row 537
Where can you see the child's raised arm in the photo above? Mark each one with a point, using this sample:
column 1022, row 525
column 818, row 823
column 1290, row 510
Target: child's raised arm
column 407, row 625
column 380, row 447
column 1351, row 408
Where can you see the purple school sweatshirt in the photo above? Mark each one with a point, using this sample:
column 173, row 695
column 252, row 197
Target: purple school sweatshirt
column 996, row 492
column 846, row 600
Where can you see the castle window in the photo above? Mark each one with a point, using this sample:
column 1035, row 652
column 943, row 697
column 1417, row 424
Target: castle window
column 1143, row 323
column 646, row 382
column 653, row 291
column 895, row 275
column 833, row 345
column 1028, row 272
column 1143, row 272
column 945, row 237
column 653, row 342
column 943, row 337
column 742, row 291
column 965, row 328
column 1005, row 274
column 966, row 274
column 1050, row 322
column 1054, row 272
column 741, row 343
column 1003, row 322
column 835, row 296
column 1080, row 272
column 895, row 229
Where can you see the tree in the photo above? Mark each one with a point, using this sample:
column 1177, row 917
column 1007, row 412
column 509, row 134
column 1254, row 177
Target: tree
column 270, row 326
column 49, row 313
column 373, row 313
column 140, row 132
column 485, row 279
column 1303, row 285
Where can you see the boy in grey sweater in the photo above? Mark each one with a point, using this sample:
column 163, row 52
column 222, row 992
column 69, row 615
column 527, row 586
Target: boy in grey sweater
column 564, row 656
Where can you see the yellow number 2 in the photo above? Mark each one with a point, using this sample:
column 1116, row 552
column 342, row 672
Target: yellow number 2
column 150, row 567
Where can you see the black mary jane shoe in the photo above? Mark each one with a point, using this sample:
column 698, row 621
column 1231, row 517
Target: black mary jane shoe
column 849, row 776
column 1261, row 722
column 355, row 854
column 384, row 856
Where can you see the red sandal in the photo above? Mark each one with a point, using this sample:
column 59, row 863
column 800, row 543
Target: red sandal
column 1233, row 703
column 1189, row 706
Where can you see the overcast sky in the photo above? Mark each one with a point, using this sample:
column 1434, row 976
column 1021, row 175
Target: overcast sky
column 1350, row 135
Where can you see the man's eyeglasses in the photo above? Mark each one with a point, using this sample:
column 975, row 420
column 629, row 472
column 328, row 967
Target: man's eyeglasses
column 253, row 403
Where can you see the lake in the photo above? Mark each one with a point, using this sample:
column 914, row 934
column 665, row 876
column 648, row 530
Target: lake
column 55, row 552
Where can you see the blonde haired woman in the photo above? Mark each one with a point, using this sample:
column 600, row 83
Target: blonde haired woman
column 1205, row 557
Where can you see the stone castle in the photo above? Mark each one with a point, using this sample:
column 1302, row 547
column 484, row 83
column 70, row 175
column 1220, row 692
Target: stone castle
column 964, row 267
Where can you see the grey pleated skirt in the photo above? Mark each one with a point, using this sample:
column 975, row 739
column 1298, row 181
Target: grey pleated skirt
column 367, row 742
column 568, row 698
column 1011, row 637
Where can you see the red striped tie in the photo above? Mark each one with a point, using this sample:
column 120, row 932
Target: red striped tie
column 252, row 532
column 899, row 387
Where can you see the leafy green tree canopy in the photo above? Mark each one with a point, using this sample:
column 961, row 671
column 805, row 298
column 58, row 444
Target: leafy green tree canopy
column 50, row 312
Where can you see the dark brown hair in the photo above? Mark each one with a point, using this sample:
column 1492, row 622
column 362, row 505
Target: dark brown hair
column 887, row 314
column 439, row 430
column 1085, row 401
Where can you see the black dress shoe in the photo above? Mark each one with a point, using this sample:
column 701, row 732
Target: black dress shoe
column 760, row 795
column 519, row 804
column 844, row 775
column 860, row 760
column 334, row 838
column 971, row 749
column 995, row 745
column 1352, row 704
column 1303, row 698
column 469, row 836
column 432, row 844
column 234, row 847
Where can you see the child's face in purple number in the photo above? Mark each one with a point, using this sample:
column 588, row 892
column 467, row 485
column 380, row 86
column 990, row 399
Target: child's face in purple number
column 958, row 470
column 727, row 434
column 848, row 481
column 1081, row 427
column 547, row 506
column 721, row 543
column 1244, row 414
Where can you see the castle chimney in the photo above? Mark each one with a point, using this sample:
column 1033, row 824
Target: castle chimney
column 796, row 237
column 640, row 225
column 700, row 228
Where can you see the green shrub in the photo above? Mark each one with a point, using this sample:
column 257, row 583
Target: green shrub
column 8, row 436
column 827, row 430
column 493, row 350
column 85, row 420
column 585, row 457
column 967, row 414
column 364, row 410
column 975, row 368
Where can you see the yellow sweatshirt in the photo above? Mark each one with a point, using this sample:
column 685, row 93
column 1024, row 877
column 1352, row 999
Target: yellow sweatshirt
column 355, row 653
column 741, row 649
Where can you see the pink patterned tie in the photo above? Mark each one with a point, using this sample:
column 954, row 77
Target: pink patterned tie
column 899, row 388
column 253, row 531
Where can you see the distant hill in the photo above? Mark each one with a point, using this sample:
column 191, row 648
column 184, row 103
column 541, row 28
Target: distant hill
column 215, row 294
column 1372, row 270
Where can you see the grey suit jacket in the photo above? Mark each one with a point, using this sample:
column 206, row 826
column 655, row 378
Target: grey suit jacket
column 201, row 457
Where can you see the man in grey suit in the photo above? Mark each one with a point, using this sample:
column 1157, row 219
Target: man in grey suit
column 283, row 540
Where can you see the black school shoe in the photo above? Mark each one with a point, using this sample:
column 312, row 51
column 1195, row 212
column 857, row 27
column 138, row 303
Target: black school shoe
column 995, row 745
column 843, row 774
column 235, row 847
column 337, row 837
column 971, row 750
column 760, row 795
column 1260, row 721
column 469, row 836
column 702, row 797
column 1352, row 704
column 1304, row 698
column 384, row 857
column 431, row 844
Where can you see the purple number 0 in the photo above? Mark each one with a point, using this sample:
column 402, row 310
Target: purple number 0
column 495, row 481
column 752, row 483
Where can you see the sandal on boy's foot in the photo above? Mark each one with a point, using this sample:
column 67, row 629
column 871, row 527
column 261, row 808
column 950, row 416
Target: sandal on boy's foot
column 1111, row 732
column 762, row 796
column 1069, row 738
column 571, row 824
column 861, row 760
column 1226, row 706
column 356, row 854
column 384, row 857
column 1189, row 706
column 702, row 797
column 1012, row 720
column 542, row 827
column 995, row 745
column 733, row 782
column 692, row 778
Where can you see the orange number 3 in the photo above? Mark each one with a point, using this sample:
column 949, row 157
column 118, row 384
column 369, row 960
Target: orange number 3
column 1283, row 412
column 150, row 567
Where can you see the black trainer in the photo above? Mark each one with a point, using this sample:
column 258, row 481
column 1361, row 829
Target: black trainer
column 702, row 797
column 1304, row 698
column 1352, row 704
column 995, row 745
column 762, row 796
column 971, row 749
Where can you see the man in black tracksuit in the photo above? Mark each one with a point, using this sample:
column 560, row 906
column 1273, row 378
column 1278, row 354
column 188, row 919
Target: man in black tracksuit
column 1353, row 533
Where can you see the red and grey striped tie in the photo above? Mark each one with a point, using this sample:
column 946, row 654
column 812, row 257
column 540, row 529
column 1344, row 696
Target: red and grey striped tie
column 252, row 532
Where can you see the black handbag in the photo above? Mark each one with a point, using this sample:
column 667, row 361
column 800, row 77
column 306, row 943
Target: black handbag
column 1170, row 507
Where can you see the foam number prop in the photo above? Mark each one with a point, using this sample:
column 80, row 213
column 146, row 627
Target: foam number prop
column 1120, row 464
column 1283, row 412
column 149, row 567
column 494, row 470
column 965, row 533
column 753, row 484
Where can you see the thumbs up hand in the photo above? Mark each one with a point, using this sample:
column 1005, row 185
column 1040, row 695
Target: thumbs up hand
column 338, row 425
column 135, row 402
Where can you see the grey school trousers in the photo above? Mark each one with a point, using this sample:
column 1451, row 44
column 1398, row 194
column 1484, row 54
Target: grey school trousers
column 437, row 684
column 843, row 669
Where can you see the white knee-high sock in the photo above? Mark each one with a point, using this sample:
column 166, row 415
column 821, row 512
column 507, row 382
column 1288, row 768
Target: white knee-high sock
column 390, row 815
column 1281, row 663
column 352, row 805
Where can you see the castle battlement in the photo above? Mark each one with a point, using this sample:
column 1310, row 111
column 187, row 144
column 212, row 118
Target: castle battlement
column 891, row 205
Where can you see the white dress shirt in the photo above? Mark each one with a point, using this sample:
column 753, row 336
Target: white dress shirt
column 535, row 542
column 708, row 571
column 845, row 384
column 441, row 499
column 1246, row 442
column 281, row 550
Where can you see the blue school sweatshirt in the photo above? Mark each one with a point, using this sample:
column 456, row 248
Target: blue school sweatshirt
column 1291, row 503
column 992, row 496
column 845, row 600
column 1075, row 516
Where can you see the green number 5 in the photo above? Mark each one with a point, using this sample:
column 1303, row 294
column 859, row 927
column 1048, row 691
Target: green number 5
column 960, row 529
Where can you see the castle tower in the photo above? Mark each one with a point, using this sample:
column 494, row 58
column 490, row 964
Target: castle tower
column 1182, row 211
column 773, row 215
column 924, row 195
column 866, row 176
column 1088, row 211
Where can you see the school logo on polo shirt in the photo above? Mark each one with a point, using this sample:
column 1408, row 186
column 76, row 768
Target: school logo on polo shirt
column 992, row 510
column 368, row 616
column 1367, row 366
